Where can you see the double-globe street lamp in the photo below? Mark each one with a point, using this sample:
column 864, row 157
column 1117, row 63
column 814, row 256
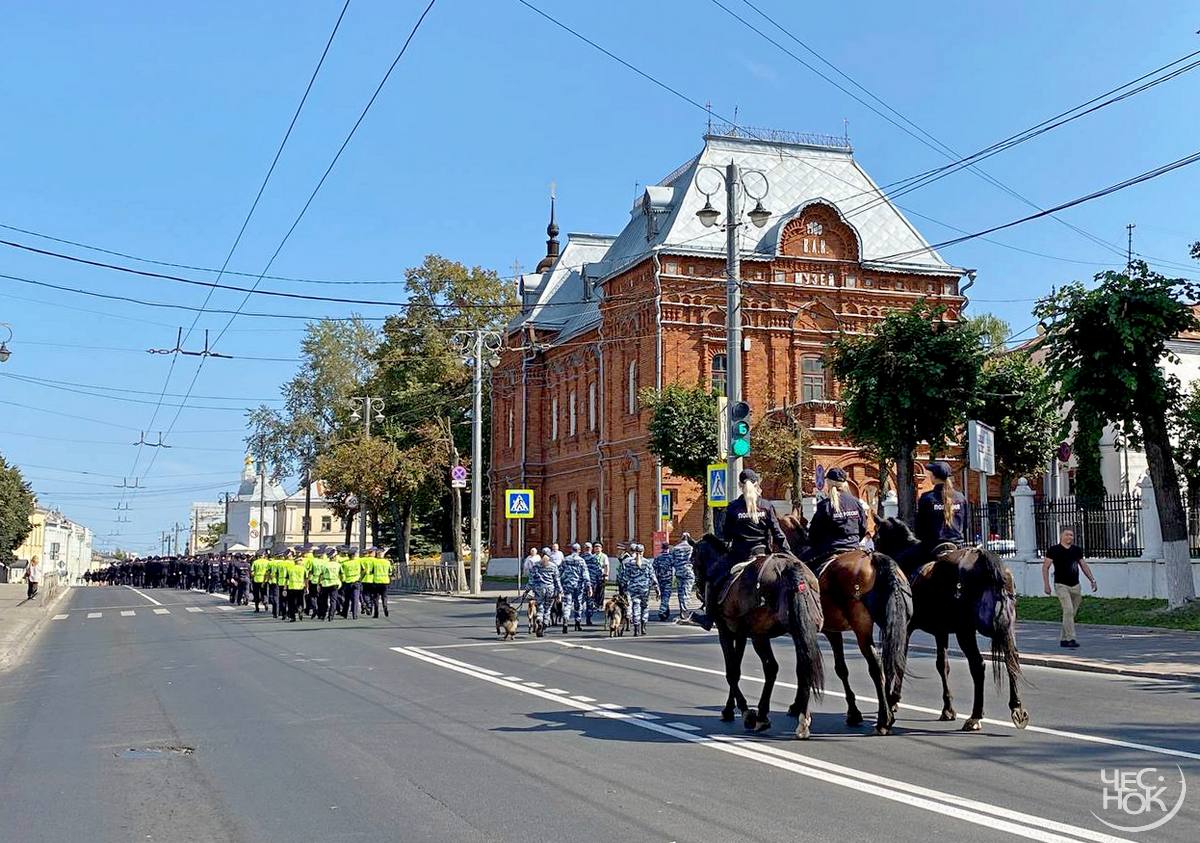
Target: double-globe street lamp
column 755, row 185
column 4, row 352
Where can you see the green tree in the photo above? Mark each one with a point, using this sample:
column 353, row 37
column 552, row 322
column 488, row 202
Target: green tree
column 1018, row 399
column 212, row 534
column 684, row 431
column 993, row 331
column 781, row 443
column 913, row 379
column 358, row 474
column 16, row 505
column 1105, row 346
column 1185, row 426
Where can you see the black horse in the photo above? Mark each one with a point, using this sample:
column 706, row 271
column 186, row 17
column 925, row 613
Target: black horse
column 962, row 591
column 779, row 599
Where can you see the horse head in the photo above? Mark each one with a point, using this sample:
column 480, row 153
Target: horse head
column 796, row 530
column 893, row 536
column 705, row 552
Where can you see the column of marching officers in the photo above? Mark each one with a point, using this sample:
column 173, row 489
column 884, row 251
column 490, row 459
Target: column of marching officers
column 580, row 577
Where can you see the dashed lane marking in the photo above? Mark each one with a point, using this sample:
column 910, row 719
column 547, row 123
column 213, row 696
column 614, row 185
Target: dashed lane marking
column 947, row 804
column 442, row 599
column 687, row 727
column 555, row 691
column 128, row 613
column 584, row 699
column 513, row 678
column 1044, row 730
column 59, row 617
column 95, row 615
column 535, row 685
column 194, row 609
column 227, row 608
column 162, row 611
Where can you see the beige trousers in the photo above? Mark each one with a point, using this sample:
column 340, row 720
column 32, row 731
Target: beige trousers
column 1070, row 596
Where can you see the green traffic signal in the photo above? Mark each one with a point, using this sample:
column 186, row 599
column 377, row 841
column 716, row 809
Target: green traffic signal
column 741, row 447
column 739, row 442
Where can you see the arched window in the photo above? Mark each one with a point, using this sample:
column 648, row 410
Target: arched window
column 593, row 519
column 720, row 372
column 571, row 417
column 554, row 417
column 812, row 387
column 554, row 519
column 592, row 406
column 631, row 515
column 631, row 397
column 572, row 522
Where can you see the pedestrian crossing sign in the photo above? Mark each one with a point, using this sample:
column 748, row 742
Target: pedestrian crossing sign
column 518, row 503
column 717, row 485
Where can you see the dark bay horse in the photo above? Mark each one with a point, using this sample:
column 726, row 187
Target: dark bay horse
column 860, row 590
column 962, row 592
column 778, row 601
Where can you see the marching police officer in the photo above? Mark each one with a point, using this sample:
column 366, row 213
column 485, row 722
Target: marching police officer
column 573, row 574
column 635, row 575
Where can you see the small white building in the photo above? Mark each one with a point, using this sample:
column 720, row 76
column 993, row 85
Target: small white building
column 251, row 512
column 204, row 516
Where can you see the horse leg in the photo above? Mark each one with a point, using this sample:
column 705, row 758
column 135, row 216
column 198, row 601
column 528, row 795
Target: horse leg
column 970, row 648
column 853, row 715
column 739, row 651
column 943, row 669
column 1020, row 717
column 760, row 721
column 866, row 645
column 894, row 696
column 726, row 641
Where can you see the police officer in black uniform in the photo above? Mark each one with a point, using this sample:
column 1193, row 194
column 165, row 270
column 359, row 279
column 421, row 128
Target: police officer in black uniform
column 941, row 518
column 750, row 524
column 839, row 524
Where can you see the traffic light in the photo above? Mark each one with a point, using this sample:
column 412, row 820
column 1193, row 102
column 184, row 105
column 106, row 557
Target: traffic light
column 739, row 432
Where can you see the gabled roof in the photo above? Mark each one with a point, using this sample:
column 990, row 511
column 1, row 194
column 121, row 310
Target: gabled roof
column 799, row 172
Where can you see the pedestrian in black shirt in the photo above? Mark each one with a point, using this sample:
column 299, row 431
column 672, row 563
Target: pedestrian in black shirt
column 1066, row 557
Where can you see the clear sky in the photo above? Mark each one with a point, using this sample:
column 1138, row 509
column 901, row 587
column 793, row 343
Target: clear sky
column 146, row 128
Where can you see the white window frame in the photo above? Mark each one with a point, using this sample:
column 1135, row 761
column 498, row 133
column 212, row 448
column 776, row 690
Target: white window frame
column 511, row 426
column 554, row 418
column 554, row 520
column 592, row 406
column 631, row 388
column 571, row 429
column 631, row 515
column 593, row 519
column 572, row 520
column 508, row 532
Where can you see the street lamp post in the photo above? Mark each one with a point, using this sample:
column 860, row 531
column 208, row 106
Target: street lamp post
column 4, row 352
column 364, row 407
column 733, row 179
column 474, row 345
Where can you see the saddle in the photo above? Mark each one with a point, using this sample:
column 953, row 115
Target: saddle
column 735, row 574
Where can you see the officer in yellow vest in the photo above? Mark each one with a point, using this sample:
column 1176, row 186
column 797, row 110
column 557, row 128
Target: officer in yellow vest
column 381, row 578
column 296, row 583
column 331, row 580
column 313, row 591
column 274, row 586
column 352, row 579
column 258, row 579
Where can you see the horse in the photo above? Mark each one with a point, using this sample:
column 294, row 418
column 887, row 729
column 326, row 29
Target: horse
column 860, row 590
column 785, row 608
column 962, row 591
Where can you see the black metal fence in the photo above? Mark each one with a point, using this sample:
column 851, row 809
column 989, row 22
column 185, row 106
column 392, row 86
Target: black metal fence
column 1000, row 536
column 1112, row 530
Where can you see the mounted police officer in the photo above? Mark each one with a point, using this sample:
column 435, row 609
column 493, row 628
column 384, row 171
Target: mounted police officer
column 750, row 523
column 839, row 524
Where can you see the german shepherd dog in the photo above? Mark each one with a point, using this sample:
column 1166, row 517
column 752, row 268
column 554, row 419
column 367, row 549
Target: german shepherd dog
column 556, row 611
column 616, row 613
column 506, row 619
column 531, row 615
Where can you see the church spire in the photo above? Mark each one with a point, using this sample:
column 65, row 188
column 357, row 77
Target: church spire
column 552, row 243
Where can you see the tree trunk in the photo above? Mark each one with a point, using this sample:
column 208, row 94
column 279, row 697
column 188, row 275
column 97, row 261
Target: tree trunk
column 708, row 525
column 1171, row 517
column 349, row 526
column 883, row 487
column 906, row 490
column 405, row 531
column 1005, row 489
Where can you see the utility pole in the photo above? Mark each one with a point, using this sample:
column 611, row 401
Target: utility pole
column 733, row 314
column 365, row 406
column 175, row 551
column 262, row 501
column 473, row 345
column 1129, row 249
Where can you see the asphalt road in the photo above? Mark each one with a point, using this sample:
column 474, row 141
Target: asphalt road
column 187, row 721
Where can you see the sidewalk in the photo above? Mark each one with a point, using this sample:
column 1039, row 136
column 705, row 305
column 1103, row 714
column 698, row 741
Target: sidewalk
column 1124, row 650
column 20, row 620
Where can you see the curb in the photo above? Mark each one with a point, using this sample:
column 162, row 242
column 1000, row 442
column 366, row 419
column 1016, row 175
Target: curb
column 1086, row 666
column 12, row 658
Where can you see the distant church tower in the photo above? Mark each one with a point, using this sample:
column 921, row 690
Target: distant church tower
column 552, row 243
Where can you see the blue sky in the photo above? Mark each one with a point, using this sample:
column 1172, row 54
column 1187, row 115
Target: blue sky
column 146, row 128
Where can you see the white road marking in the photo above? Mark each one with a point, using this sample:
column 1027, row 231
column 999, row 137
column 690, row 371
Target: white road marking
column 227, row 608
column 612, row 706
column 162, row 611
column 442, row 599
column 95, row 614
column 128, row 613
column 584, row 699
column 1044, row 730
column 535, row 685
column 645, row 715
column 59, row 617
column 687, row 727
column 143, row 594
column 947, row 804
column 558, row 691
column 194, row 609
column 513, row 678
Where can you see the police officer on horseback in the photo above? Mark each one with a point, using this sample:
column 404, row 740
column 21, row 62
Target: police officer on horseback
column 942, row 511
column 750, row 526
column 840, row 522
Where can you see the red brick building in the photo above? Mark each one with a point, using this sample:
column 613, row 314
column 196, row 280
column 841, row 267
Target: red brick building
column 607, row 316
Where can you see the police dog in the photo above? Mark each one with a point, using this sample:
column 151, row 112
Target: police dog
column 531, row 615
column 506, row 619
column 556, row 611
column 616, row 614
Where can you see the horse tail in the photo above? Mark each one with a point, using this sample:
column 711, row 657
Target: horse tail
column 895, row 607
column 804, row 628
column 997, row 582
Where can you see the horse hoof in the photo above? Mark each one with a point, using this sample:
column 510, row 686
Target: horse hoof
column 883, row 730
column 763, row 725
column 854, row 718
column 802, row 731
column 793, row 710
column 973, row 724
column 947, row 715
column 750, row 720
column 1020, row 717
column 726, row 715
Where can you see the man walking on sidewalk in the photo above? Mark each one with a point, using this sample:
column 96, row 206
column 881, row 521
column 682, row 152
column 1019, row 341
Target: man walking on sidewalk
column 1067, row 559
column 34, row 575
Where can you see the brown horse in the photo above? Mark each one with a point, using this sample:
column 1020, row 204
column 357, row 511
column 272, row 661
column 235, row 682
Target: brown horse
column 860, row 590
column 777, row 601
column 962, row 591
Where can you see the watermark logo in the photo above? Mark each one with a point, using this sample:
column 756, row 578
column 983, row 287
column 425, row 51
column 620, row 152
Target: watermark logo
column 1147, row 796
